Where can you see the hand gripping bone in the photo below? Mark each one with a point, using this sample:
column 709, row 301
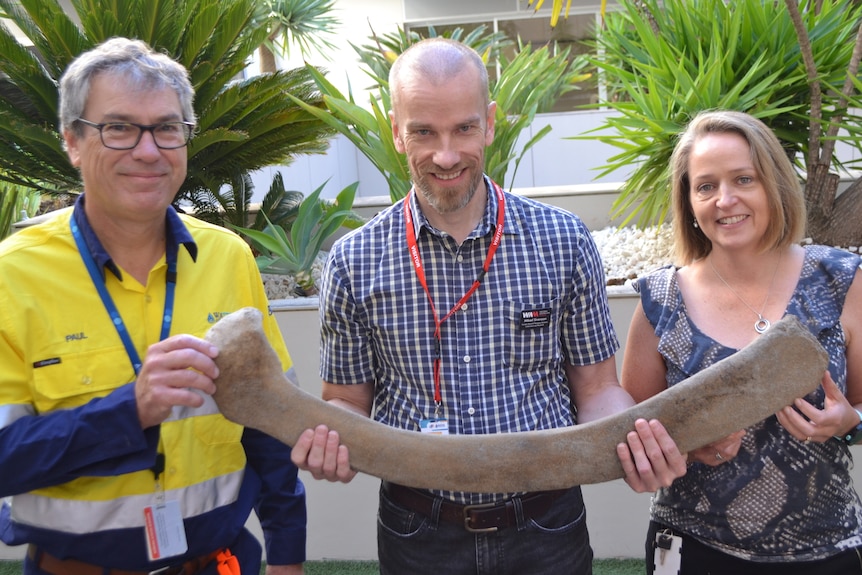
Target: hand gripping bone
column 785, row 363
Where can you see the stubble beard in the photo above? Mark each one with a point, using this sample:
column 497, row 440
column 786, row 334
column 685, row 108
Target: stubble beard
column 451, row 200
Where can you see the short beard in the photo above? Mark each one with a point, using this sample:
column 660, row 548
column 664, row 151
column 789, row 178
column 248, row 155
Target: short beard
column 447, row 203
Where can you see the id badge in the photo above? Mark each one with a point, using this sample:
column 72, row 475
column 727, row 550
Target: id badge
column 434, row 426
column 166, row 534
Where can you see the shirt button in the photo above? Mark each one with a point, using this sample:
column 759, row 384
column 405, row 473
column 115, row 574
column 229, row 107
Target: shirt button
column 464, row 307
column 148, row 298
column 86, row 380
column 467, row 359
column 471, row 411
column 460, row 258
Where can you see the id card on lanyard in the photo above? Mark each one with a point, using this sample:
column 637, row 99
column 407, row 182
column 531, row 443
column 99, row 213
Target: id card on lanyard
column 164, row 528
column 438, row 425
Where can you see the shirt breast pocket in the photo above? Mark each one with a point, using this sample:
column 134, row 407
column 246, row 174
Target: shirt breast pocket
column 72, row 380
column 532, row 334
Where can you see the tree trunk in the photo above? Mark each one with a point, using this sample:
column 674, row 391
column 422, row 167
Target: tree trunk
column 845, row 225
column 820, row 190
column 267, row 60
column 833, row 221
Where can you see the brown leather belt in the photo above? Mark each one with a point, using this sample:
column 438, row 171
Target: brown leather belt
column 475, row 518
column 50, row 564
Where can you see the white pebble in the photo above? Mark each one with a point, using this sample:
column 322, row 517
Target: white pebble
column 630, row 252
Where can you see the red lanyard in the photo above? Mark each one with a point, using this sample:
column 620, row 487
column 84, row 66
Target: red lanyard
column 413, row 248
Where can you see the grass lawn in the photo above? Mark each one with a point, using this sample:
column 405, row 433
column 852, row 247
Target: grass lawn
column 600, row 567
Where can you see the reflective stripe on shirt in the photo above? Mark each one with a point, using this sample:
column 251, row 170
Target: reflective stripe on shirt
column 80, row 516
column 10, row 413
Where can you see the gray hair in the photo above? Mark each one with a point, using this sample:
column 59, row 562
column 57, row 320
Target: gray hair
column 435, row 60
column 136, row 62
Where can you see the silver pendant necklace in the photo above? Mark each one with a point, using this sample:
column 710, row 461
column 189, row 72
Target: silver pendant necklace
column 762, row 324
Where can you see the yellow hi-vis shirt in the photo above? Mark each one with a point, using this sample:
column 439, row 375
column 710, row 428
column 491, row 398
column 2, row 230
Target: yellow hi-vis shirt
column 59, row 350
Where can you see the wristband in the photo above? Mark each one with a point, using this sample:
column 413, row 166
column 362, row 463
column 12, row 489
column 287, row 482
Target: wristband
column 853, row 436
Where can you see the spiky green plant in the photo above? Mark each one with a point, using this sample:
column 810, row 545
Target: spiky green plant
column 294, row 251
column 378, row 54
column 528, row 85
column 664, row 61
column 232, row 203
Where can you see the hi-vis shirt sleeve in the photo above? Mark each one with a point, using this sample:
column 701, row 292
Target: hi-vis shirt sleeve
column 83, row 447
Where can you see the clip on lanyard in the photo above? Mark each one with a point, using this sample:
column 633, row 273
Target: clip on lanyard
column 111, row 308
column 413, row 247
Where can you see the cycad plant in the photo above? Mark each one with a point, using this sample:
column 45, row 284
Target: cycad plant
column 243, row 124
column 794, row 65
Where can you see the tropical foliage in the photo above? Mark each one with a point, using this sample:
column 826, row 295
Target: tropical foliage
column 231, row 204
column 527, row 85
column 243, row 124
column 305, row 24
column 793, row 65
column 557, row 8
column 16, row 201
column 378, row 54
column 294, row 251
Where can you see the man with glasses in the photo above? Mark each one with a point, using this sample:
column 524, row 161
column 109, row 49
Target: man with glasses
column 125, row 136
column 115, row 458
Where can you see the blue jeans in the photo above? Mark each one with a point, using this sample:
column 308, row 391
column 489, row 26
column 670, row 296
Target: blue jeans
column 554, row 544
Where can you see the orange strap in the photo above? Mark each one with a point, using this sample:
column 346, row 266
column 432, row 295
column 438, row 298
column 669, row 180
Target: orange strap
column 228, row 564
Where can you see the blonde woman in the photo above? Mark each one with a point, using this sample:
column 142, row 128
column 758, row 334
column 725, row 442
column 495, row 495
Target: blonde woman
column 776, row 497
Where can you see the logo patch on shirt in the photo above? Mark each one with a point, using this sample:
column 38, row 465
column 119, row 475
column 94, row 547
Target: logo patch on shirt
column 46, row 362
column 214, row 316
column 535, row 318
column 75, row 337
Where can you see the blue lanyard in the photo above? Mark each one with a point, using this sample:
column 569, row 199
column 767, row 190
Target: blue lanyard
column 111, row 308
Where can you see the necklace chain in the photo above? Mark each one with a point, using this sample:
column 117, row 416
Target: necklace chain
column 762, row 324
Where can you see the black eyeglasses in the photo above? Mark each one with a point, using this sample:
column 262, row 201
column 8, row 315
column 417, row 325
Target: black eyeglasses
column 126, row 135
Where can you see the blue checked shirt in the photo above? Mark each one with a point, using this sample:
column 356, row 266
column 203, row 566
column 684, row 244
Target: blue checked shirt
column 498, row 374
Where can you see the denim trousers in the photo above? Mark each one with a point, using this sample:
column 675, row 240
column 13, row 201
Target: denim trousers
column 700, row 559
column 555, row 544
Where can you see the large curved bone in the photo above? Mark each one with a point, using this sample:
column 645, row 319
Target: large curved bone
column 785, row 363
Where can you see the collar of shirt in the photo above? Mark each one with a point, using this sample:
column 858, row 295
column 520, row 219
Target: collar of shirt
column 176, row 235
column 489, row 220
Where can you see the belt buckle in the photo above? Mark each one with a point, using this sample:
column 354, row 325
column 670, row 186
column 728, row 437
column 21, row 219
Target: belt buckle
column 468, row 508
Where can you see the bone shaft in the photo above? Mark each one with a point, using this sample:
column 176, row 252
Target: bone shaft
column 785, row 363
